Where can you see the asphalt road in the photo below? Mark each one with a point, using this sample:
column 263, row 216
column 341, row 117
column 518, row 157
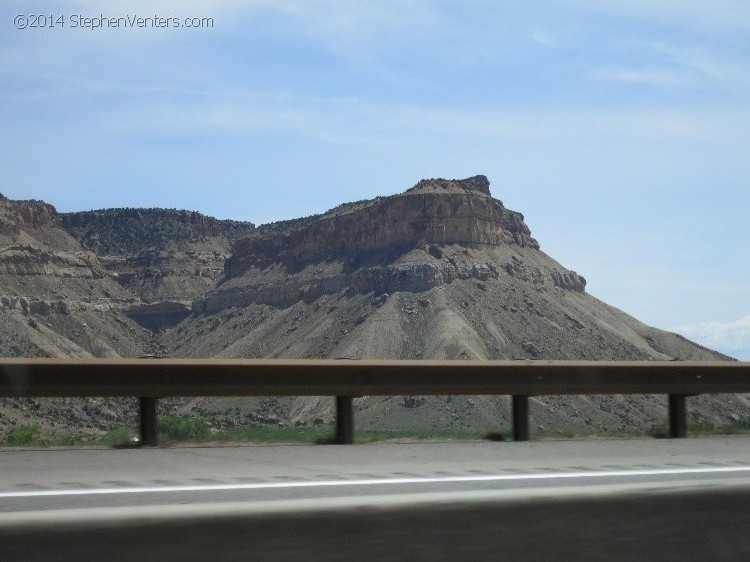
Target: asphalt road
column 39, row 480
column 612, row 500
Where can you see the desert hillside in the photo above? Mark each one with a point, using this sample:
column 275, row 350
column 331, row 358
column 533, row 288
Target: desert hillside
column 441, row 271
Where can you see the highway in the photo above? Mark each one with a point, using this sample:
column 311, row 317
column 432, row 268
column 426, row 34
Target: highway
column 33, row 480
column 672, row 491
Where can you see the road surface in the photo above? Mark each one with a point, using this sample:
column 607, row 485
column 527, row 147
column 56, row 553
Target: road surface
column 461, row 500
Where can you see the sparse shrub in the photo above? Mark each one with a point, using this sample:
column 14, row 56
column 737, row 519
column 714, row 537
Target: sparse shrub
column 23, row 435
column 702, row 426
column 118, row 436
column 659, row 430
column 173, row 428
column 66, row 441
column 495, row 436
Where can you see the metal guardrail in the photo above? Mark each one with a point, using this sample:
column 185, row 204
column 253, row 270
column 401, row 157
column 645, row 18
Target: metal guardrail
column 348, row 378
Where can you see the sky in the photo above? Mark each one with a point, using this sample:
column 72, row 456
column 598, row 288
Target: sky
column 619, row 128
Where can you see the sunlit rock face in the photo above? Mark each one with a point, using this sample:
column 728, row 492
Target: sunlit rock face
column 435, row 233
column 439, row 212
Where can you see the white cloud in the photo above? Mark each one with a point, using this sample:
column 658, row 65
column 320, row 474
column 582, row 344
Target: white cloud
column 717, row 14
column 730, row 337
column 551, row 40
column 699, row 64
column 337, row 20
column 645, row 76
column 165, row 8
column 543, row 38
column 353, row 120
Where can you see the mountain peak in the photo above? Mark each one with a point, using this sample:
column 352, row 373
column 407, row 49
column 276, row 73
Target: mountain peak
column 435, row 211
column 474, row 184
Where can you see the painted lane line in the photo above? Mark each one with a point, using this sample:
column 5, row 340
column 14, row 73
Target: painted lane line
column 373, row 482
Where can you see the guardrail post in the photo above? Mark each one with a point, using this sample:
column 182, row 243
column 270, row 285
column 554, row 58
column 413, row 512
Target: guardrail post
column 148, row 421
column 520, row 418
column 677, row 415
column 344, row 420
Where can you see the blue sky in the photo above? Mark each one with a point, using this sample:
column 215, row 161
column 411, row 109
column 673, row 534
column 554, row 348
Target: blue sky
column 621, row 128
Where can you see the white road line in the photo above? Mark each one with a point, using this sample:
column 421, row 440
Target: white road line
column 371, row 482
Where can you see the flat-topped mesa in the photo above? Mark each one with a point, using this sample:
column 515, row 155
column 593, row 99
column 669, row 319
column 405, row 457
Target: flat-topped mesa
column 475, row 184
column 440, row 212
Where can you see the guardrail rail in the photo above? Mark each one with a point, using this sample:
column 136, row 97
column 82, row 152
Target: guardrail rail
column 346, row 379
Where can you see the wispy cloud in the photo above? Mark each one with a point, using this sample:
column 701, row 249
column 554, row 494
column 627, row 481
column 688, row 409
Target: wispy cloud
column 348, row 119
column 718, row 14
column 646, row 76
column 166, row 8
column 546, row 39
column 697, row 64
column 730, row 337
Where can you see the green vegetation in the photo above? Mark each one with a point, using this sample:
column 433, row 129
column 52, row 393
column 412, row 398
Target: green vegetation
column 173, row 428
column 274, row 435
column 372, row 435
column 131, row 230
column 64, row 441
column 23, row 435
column 703, row 427
column 700, row 426
column 30, row 435
column 323, row 435
column 119, row 437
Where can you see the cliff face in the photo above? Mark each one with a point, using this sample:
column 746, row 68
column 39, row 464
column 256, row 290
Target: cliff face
column 32, row 243
column 158, row 254
column 16, row 216
column 438, row 212
column 88, row 283
column 412, row 242
column 441, row 271
column 58, row 299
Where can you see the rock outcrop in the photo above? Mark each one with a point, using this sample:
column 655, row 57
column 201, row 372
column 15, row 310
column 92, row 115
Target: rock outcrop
column 33, row 244
column 30, row 260
column 412, row 242
column 438, row 212
column 16, row 216
column 476, row 184
column 134, row 266
column 158, row 254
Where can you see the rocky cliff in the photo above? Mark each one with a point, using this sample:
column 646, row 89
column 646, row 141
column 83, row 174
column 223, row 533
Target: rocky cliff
column 440, row 271
column 437, row 212
column 434, row 233
column 33, row 244
column 84, row 284
column 158, row 254
column 98, row 284
column 18, row 216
